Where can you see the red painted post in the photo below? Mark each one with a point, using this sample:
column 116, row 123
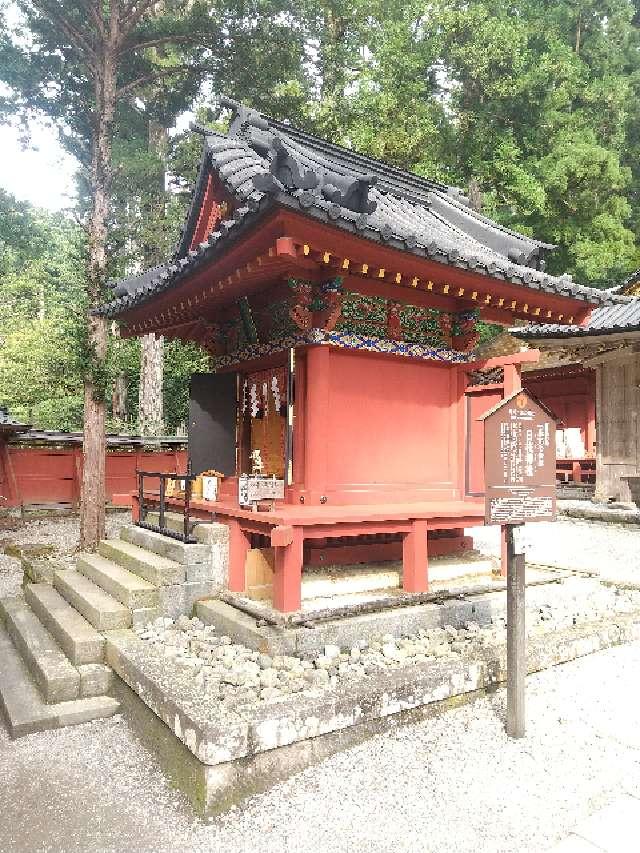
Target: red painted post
column 238, row 547
column 415, row 558
column 576, row 471
column 590, row 437
column 512, row 380
column 287, row 577
column 135, row 508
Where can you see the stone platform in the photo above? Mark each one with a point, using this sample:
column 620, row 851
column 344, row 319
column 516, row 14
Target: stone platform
column 229, row 715
column 219, row 755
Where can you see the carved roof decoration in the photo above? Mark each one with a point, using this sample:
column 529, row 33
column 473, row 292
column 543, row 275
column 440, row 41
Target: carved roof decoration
column 264, row 163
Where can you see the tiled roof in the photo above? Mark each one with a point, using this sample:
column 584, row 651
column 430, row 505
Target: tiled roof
column 262, row 162
column 622, row 316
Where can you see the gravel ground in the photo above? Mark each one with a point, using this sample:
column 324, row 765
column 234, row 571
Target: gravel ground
column 61, row 532
column 454, row 783
column 609, row 550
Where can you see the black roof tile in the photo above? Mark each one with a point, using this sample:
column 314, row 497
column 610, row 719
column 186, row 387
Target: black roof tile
column 621, row 316
column 271, row 162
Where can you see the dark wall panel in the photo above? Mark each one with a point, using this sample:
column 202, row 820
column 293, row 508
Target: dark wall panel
column 212, row 422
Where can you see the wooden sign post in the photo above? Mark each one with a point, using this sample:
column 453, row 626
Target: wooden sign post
column 520, row 474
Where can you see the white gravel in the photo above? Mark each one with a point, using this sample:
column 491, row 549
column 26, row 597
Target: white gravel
column 61, row 532
column 608, row 550
column 448, row 785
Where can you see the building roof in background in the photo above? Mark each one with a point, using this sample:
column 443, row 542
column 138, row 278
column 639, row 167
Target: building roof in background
column 622, row 316
column 264, row 163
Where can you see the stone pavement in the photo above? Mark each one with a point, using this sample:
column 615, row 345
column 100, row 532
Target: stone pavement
column 612, row 829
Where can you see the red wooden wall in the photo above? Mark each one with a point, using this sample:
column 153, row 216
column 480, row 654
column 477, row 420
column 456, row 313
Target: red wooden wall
column 42, row 475
column 477, row 401
column 376, row 428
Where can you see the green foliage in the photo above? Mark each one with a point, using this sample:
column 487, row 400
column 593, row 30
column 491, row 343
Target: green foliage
column 536, row 102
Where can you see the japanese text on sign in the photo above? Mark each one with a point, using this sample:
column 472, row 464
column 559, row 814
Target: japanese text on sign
column 519, row 462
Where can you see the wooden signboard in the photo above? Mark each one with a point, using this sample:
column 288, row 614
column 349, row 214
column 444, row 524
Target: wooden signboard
column 520, row 486
column 519, row 461
column 253, row 488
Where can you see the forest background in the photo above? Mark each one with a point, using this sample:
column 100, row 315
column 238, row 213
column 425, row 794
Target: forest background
column 532, row 106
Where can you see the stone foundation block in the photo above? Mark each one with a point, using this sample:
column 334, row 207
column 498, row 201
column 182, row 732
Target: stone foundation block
column 95, row 679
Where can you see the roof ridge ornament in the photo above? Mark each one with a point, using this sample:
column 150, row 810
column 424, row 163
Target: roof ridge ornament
column 284, row 170
column 350, row 191
column 242, row 117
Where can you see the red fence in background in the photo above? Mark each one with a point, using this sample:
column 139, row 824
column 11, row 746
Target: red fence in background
column 41, row 475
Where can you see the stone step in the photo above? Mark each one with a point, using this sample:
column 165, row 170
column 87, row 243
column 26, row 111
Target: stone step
column 98, row 607
column 132, row 591
column 148, row 565
column 164, row 546
column 57, row 678
column 23, row 706
column 79, row 640
column 173, row 520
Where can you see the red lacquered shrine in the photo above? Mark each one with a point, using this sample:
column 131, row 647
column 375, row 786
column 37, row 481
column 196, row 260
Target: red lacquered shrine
column 338, row 297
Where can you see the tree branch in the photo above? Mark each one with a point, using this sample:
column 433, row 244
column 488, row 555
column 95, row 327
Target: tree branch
column 93, row 7
column 134, row 12
column 76, row 37
column 166, row 71
column 142, row 45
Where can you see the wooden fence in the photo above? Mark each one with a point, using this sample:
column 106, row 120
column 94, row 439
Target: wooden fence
column 43, row 475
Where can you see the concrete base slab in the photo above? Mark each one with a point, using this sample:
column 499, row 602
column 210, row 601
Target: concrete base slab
column 23, row 707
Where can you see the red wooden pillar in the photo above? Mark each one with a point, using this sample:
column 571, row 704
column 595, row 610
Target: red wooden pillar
column 77, row 477
column 512, row 380
column 238, row 547
column 317, row 386
column 415, row 558
column 287, row 577
column 590, row 437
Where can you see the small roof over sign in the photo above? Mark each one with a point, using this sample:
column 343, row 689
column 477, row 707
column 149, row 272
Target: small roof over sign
column 511, row 397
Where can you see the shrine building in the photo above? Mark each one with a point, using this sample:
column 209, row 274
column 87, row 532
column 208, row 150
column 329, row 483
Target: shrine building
column 607, row 345
column 338, row 298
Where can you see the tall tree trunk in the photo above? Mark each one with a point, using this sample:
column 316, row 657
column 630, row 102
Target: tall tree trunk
column 151, row 409
column 92, row 499
column 119, row 398
column 151, row 380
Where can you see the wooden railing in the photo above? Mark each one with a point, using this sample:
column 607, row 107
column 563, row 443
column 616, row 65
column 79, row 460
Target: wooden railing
column 161, row 527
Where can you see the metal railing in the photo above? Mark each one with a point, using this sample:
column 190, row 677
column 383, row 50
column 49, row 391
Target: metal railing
column 161, row 527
